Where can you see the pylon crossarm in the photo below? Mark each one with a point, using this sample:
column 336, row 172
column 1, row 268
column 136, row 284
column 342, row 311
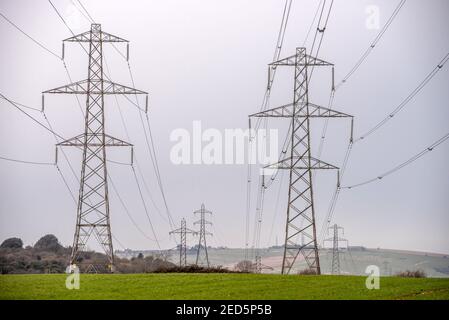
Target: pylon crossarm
column 115, row 88
column 79, row 141
column 205, row 222
column 96, row 87
column 316, row 111
column 309, row 61
column 179, row 231
column 205, row 211
column 175, row 231
column 85, row 37
column 314, row 164
column 286, row 111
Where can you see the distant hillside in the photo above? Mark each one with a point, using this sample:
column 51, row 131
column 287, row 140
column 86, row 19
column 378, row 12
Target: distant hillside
column 353, row 261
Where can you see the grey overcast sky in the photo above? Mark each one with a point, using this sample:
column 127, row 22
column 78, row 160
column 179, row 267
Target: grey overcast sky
column 207, row 60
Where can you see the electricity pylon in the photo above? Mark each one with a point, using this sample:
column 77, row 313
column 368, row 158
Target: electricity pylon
column 258, row 266
column 93, row 201
column 300, row 220
column 336, row 248
column 202, row 246
column 183, row 231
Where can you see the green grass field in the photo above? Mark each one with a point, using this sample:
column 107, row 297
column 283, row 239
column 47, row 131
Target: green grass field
column 218, row 286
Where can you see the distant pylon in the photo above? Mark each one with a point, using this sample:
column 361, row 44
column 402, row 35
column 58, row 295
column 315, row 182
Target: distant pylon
column 336, row 248
column 258, row 264
column 183, row 231
column 300, row 163
column 202, row 246
column 93, row 200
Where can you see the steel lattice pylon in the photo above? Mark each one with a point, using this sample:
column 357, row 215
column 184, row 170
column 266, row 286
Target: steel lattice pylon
column 93, row 202
column 183, row 231
column 300, row 221
column 202, row 246
column 335, row 248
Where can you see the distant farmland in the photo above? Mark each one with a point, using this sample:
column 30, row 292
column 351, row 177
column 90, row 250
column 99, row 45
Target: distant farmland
column 218, row 286
column 353, row 262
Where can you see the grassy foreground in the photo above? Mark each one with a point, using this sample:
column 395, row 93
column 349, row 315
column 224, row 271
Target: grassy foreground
column 218, row 286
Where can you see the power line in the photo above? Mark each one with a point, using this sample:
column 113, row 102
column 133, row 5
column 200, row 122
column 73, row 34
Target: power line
column 334, row 199
column 150, row 145
column 25, row 106
column 265, row 103
column 65, row 23
column 423, row 83
column 30, row 37
column 90, row 17
column 49, row 51
column 145, row 208
column 136, row 225
column 136, row 159
column 402, row 165
column 276, row 56
column 372, row 45
column 313, row 22
column 149, row 141
column 136, row 179
column 321, row 32
column 354, row 69
column 27, row 162
column 30, row 116
column 276, row 208
column 407, row 99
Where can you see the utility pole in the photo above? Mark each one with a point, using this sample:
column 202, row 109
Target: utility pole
column 93, row 201
column 202, row 246
column 336, row 248
column 300, row 220
column 183, row 231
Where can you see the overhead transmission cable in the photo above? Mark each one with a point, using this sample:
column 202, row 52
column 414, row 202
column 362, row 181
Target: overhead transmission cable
column 27, row 162
column 31, row 38
column 49, row 128
column 372, row 45
column 409, row 97
column 90, row 19
column 320, row 30
column 364, row 56
column 264, row 105
column 421, row 85
column 149, row 141
column 401, row 165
